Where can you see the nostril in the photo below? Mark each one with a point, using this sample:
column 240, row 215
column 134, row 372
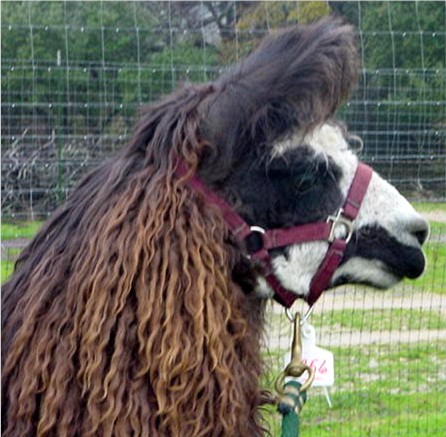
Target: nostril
column 421, row 236
column 419, row 228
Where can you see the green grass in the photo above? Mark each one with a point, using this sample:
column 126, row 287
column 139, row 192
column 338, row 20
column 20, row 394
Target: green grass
column 393, row 368
column 7, row 269
column 378, row 367
column 380, row 319
column 359, row 414
column 392, row 319
column 8, row 261
column 380, row 390
column 11, row 231
column 436, row 229
column 434, row 278
column 429, row 206
column 381, row 415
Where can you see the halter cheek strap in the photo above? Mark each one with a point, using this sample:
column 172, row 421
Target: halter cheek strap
column 345, row 217
column 281, row 237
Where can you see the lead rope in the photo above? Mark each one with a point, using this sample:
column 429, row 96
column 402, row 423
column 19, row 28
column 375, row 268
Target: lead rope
column 293, row 394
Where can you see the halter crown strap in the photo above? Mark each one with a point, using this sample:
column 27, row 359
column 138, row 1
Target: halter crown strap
column 275, row 238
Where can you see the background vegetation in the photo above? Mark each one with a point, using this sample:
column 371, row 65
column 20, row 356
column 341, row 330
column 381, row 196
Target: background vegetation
column 74, row 75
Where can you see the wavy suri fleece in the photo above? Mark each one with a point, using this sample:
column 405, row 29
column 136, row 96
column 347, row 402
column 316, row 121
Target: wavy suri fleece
column 121, row 317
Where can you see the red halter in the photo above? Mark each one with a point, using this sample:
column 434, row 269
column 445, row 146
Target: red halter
column 275, row 238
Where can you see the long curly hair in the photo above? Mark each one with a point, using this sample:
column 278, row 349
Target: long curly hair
column 133, row 311
column 122, row 317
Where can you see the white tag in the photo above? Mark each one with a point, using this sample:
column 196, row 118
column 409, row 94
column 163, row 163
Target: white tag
column 318, row 358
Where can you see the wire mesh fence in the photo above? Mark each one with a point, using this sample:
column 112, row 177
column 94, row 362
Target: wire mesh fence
column 75, row 74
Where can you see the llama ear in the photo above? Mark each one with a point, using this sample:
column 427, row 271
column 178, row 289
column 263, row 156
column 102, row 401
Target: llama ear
column 296, row 79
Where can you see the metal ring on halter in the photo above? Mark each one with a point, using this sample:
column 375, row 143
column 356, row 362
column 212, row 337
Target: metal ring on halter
column 306, row 316
column 261, row 232
column 288, row 314
column 257, row 229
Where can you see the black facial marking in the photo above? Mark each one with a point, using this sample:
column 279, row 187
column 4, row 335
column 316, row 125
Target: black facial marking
column 348, row 279
column 296, row 188
column 375, row 242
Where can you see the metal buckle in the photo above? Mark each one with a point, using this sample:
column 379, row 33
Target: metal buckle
column 340, row 220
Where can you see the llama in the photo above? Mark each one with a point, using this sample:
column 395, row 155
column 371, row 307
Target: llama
column 137, row 311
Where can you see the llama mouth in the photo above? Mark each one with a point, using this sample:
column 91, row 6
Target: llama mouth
column 411, row 263
column 397, row 259
column 381, row 273
column 371, row 273
column 380, row 267
column 347, row 279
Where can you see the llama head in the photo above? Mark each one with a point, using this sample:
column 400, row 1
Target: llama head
column 278, row 156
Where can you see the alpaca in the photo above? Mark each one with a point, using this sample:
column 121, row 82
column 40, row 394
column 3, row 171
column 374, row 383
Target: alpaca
column 136, row 311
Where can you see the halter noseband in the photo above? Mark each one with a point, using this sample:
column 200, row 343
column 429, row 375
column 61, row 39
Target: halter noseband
column 280, row 237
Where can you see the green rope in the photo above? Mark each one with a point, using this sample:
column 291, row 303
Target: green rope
column 290, row 405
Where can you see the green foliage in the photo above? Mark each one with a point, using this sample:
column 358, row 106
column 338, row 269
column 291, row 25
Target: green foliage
column 117, row 56
column 99, row 37
column 67, row 44
column 404, row 34
column 74, row 75
column 255, row 20
column 276, row 14
column 93, row 63
column 179, row 64
column 403, row 52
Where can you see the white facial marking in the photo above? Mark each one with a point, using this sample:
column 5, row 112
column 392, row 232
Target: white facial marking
column 382, row 205
column 263, row 290
column 385, row 206
column 368, row 271
column 296, row 271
